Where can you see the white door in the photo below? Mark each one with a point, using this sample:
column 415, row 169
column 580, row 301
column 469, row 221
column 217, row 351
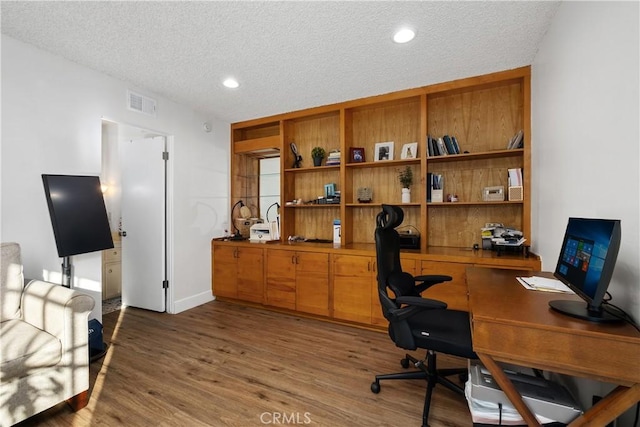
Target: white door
column 143, row 223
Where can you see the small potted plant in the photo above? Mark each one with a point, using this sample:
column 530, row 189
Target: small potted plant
column 406, row 179
column 317, row 154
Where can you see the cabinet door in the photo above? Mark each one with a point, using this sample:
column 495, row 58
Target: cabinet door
column 352, row 282
column 250, row 265
column 312, row 283
column 112, row 279
column 409, row 266
column 224, row 272
column 281, row 279
column 454, row 293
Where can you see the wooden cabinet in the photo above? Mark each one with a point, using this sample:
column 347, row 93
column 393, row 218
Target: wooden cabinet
column 312, row 283
column 237, row 272
column 224, row 272
column 281, row 279
column 298, row 281
column 338, row 283
column 353, row 282
column 482, row 112
column 112, row 271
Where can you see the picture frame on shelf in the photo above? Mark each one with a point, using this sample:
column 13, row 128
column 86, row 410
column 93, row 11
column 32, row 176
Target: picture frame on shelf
column 383, row 151
column 356, row 155
column 409, row 151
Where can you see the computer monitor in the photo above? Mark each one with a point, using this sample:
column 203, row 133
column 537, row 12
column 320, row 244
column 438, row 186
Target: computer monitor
column 585, row 264
column 78, row 214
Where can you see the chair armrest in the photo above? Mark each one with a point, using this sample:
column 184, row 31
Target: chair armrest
column 430, row 280
column 412, row 306
column 56, row 310
column 431, row 304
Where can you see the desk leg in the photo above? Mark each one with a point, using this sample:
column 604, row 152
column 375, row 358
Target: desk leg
column 610, row 407
column 509, row 389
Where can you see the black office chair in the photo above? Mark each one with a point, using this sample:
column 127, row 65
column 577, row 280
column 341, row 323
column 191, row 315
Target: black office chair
column 416, row 322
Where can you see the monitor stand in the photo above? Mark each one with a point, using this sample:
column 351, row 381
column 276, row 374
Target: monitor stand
column 580, row 310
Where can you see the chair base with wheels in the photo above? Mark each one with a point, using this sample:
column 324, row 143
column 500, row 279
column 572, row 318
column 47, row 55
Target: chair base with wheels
column 428, row 372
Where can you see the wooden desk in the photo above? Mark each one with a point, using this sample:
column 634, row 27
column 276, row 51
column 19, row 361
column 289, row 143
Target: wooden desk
column 514, row 325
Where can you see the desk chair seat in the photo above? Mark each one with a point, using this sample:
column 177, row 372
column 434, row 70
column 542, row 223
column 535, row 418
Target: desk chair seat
column 416, row 322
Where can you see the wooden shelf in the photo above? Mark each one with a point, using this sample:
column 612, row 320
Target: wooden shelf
column 312, row 206
column 312, row 169
column 383, row 163
column 480, row 203
column 482, row 112
column 494, row 154
column 379, row 205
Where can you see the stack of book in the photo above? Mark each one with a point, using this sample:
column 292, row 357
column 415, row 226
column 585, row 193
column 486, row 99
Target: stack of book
column 434, row 187
column 444, row 146
column 333, row 159
column 517, row 141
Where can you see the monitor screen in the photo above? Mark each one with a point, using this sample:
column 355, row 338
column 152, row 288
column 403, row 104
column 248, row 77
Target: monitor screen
column 78, row 214
column 587, row 259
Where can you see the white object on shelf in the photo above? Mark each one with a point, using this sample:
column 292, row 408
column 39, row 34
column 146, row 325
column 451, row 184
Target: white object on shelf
column 406, row 195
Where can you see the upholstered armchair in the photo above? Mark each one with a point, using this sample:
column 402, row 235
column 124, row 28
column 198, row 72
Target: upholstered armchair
column 44, row 349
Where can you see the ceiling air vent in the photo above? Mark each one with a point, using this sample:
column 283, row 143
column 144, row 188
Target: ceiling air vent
column 140, row 103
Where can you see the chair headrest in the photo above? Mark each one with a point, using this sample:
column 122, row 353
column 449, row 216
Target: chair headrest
column 390, row 217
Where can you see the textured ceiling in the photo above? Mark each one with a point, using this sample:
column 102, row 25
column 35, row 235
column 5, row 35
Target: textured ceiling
column 286, row 55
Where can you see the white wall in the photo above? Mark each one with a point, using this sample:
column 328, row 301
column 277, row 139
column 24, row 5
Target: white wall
column 51, row 123
column 586, row 137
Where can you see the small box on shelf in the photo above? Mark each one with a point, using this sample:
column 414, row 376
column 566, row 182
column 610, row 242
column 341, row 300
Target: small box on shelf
column 516, row 194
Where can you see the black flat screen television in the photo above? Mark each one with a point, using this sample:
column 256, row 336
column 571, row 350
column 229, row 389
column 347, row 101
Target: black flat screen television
column 78, row 214
column 585, row 264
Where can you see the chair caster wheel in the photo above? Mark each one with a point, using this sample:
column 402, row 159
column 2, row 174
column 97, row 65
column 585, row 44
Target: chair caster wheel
column 375, row 387
column 405, row 363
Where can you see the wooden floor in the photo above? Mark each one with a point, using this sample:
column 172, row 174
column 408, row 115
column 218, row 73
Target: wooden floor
column 222, row 364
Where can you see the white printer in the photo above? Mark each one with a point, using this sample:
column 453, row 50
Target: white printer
column 542, row 396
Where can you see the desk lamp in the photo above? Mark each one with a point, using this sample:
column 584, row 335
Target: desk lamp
column 274, row 226
column 277, row 205
column 245, row 212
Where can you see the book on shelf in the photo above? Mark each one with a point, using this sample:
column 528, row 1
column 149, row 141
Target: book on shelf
column 432, row 146
column 444, row 146
column 434, row 187
column 456, row 146
column 442, row 149
column 448, row 144
column 517, row 141
column 515, row 177
column 333, row 158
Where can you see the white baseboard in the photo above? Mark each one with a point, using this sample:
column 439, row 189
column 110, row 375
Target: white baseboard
column 192, row 301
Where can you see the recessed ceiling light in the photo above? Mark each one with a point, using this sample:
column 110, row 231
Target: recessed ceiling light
column 404, row 35
column 231, row 83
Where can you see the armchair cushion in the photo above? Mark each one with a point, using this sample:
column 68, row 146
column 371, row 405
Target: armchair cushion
column 24, row 348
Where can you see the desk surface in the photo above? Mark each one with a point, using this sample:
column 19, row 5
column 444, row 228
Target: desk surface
column 513, row 324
